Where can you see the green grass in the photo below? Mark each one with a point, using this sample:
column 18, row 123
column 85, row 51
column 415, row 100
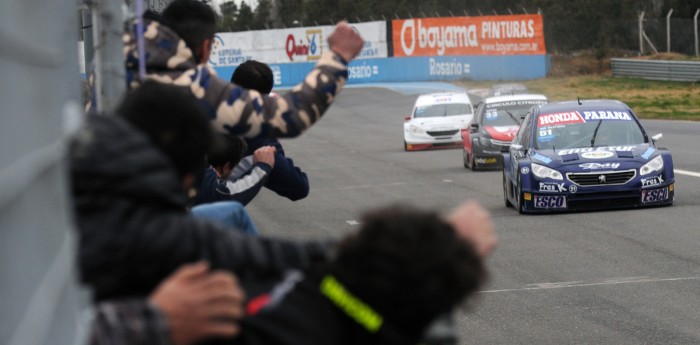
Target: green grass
column 649, row 99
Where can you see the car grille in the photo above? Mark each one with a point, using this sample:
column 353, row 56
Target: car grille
column 449, row 133
column 602, row 178
column 603, row 200
column 500, row 143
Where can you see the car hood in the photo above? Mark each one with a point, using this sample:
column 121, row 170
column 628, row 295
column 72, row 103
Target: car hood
column 595, row 158
column 502, row 133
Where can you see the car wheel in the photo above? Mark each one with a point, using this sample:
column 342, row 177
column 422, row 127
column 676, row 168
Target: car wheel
column 521, row 202
column 405, row 146
column 472, row 164
column 465, row 158
column 505, row 191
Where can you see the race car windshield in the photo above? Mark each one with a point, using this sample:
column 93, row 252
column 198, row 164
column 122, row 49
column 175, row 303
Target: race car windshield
column 504, row 115
column 594, row 133
column 446, row 109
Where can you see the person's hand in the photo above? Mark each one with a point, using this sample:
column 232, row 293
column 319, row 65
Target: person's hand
column 199, row 304
column 473, row 224
column 345, row 41
column 265, row 154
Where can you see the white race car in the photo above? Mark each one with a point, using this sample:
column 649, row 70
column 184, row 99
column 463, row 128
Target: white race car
column 437, row 120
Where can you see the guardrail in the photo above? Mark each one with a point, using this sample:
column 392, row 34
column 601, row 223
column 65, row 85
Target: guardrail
column 656, row 69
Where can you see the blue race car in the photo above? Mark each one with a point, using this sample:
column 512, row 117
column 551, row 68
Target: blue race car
column 583, row 155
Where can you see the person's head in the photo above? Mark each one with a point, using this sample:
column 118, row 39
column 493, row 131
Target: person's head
column 254, row 75
column 226, row 157
column 195, row 22
column 409, row 265
column 175, row 122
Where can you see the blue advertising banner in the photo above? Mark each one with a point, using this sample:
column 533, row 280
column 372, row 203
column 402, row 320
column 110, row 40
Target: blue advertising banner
column 420, row 68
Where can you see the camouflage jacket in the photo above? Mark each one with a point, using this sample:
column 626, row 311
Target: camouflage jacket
column 128, row 322
column 233, row 109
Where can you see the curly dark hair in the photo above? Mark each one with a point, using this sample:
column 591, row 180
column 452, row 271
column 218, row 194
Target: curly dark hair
column 175, row 122
column 230, row 149
column 254, row 75
column 194, row 21
column 409, row 265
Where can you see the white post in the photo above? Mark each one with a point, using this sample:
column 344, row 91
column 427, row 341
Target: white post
column 641, row 33
column 668, row 31
column 695, row 31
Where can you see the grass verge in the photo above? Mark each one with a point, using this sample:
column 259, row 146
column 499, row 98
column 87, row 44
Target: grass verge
column 649, row 99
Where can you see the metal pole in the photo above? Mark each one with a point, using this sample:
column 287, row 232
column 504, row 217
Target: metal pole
column 668, row 31
column 641, row 33
column 88, row 43
column 110, row 76
column 695, row 31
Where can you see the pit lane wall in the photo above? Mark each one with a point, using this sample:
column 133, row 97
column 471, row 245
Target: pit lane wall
column 427, row 49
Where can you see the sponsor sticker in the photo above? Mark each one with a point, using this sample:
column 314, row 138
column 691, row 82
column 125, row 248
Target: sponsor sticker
column 595, row 166
column 525, row 170
column 648, row 153
column 654, row 195
column 552, row 187
column 491, row 160
column 550, row 201
column 597, row 155
column 560, row 119
column 545, row 138
column 573, row 188
column 607, row 115
column 652, row 181
column 542, row 158
column 592, row 149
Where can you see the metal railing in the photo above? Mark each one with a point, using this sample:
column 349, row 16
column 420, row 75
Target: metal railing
column 656, row 69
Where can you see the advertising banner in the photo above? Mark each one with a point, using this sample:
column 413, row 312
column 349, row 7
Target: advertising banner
column 419, row 68
column 484, row 35
column 305, row 44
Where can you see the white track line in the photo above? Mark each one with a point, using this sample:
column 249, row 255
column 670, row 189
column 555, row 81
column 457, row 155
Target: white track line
column 685, row 172
column 549, row 286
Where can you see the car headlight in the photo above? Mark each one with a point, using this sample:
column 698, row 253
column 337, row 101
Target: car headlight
column 544, row 172
column 417, row 130
column 655, row 164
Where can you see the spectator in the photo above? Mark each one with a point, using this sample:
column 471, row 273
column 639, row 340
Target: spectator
column 386, row 285
column 191, row 305
column 129, row 181
column 215, row 185
column 177, row 48
column 130, row 174
column 285, row 179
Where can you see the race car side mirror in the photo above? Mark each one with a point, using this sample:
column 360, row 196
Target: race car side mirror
column 473, row 127
column 407, row 118
column 657, row 137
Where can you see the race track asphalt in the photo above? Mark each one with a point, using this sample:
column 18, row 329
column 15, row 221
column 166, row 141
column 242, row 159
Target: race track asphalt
column 612, row 277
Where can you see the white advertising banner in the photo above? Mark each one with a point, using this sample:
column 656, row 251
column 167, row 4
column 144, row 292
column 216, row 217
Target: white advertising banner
column 304, row 44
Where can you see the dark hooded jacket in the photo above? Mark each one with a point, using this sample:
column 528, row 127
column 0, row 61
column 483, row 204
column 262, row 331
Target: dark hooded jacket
column 134, row 226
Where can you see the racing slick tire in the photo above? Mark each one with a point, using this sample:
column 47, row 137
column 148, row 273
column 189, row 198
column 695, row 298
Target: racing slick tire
column 465, row 158
column 405, row 146
column 521, row 208
column 505, row 191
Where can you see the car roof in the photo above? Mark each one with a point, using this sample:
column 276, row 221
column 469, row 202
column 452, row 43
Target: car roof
column 520, row 97
column 584, row 105
column 442, row 97
column 509, row 86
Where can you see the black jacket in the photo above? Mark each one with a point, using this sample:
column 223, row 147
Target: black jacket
column 133, row 223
